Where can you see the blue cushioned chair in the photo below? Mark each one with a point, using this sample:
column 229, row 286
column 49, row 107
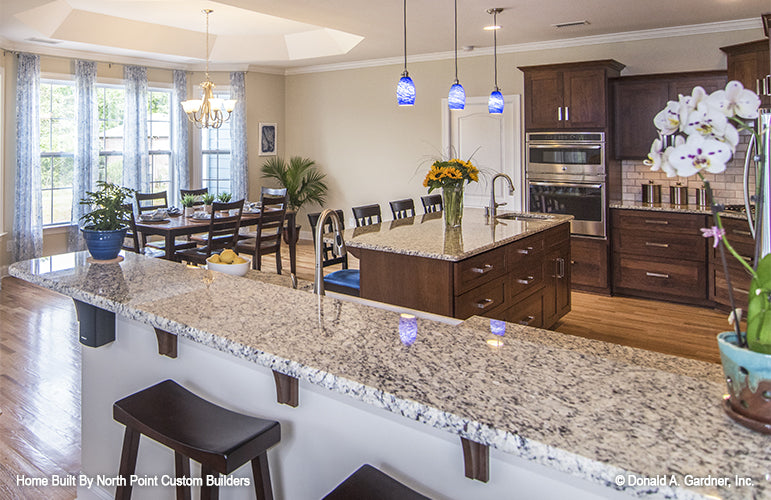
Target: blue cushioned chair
column 345, row 280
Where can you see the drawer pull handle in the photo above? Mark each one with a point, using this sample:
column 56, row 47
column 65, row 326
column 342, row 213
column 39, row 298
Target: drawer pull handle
column 485, row 303
column 525, row 251
column 482, row 270
column 657, row 245
column 741, row 290
column 656, row 275
column 652, row 221
column 741, row 233
column 525, row 281
column 526, row 321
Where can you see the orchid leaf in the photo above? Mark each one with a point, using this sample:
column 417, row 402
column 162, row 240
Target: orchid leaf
column 759, row 309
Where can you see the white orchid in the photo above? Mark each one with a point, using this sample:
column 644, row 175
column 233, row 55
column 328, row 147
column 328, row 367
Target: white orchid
column 698, row 154
column 735, row 100
column 659, row 160
column 711, row 123
column 668, row 119
column 688, row 103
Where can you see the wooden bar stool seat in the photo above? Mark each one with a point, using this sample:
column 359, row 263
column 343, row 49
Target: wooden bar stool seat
column 372, row 484
column 219, row 439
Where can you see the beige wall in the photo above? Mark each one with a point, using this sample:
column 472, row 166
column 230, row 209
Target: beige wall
column 374, row 151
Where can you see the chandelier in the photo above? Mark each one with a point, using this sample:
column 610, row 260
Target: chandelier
column 208, row 112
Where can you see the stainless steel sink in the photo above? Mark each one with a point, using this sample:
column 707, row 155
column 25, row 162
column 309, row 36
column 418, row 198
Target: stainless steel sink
column 524, row 216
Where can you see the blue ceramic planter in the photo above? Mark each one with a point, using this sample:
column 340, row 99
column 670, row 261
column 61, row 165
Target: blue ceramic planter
column 104, row 245
column 748, row 375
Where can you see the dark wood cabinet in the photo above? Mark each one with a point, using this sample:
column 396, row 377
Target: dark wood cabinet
column 659, row 255
column 589, row 264
column 568, row 96
column 637, row 100
column 556, row 291
column 749, row 63
column 739, row 235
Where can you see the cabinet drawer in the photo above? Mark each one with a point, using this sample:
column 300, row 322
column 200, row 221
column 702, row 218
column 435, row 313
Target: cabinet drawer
column 481, row 301
column 528, row 311
column 738, row 234
column 687, row 246
column 741, row 286
column 525, row 278
column 479, row 269
column 657, row 222
column 524, row 252
column 660, row 276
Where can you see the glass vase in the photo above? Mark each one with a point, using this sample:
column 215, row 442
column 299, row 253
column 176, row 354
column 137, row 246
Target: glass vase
column 452, row 197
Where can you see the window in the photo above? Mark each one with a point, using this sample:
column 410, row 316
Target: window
column 57, row 149
column 58, row 134
column 215, row 156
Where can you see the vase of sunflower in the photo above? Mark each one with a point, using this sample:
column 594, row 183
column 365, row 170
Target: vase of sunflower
column 452, row 176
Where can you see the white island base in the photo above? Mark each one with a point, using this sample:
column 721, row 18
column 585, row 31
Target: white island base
column 323, row 440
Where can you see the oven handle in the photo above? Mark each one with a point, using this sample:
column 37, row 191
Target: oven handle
column 566, row 184
column 565, row 146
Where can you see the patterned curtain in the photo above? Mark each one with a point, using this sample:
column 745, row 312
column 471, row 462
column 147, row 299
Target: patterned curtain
column 28, row 215
column 239, row 168
column 86, row 151
column 180, row 174
column 136, row 156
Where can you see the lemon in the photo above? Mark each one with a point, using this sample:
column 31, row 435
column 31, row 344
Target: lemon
column 215, row 259
column 239, row 260
column 227, row 256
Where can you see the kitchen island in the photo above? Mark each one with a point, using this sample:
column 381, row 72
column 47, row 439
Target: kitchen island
column 561, row 417
column 515, row 269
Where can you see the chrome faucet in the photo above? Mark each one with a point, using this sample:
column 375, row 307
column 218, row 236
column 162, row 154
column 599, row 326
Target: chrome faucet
column 338, row 246
column 492, row 210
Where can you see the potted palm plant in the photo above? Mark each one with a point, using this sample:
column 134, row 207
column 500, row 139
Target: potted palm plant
column 705, row 128
column 188, row 202
column 105, row 226
column 207, row 199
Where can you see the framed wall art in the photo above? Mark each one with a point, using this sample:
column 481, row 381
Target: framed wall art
column 268, row 138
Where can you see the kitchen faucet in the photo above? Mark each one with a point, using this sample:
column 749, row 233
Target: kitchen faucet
column 338, row 247
column 493, row 208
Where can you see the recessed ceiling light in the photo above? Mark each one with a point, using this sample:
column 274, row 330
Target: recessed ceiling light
column 570, row 23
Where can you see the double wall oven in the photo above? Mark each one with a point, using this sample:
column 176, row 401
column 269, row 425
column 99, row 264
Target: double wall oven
column 566, row 175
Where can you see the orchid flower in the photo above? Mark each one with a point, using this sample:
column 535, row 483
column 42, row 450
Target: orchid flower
column 659, row 160
column 713, row 232
column 688, row 103
column 668, row 119
column 700, row 153
column 735, row 100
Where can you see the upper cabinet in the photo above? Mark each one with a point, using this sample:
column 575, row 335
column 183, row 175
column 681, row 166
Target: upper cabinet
column 568, row 96
column 637, row 99
column 749, row 63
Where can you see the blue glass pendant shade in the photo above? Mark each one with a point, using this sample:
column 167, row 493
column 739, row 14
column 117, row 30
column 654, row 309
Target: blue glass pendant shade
column 405, row 91
column 457, row 97
column 495, row 103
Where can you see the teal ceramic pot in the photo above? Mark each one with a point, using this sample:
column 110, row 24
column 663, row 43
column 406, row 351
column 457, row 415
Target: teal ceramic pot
column 748, row 375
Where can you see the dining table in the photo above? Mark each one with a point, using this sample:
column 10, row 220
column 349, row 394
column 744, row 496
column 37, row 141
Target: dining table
column 173, row 227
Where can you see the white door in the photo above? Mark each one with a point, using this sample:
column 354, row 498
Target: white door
column 495, row 143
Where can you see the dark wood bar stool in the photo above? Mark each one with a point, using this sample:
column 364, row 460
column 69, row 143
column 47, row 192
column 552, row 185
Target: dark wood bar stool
column 372, row 484
column 402, row 208
column 220, row 440
column 367, row 214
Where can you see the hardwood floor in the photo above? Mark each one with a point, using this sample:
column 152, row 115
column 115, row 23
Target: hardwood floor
column 40, row 366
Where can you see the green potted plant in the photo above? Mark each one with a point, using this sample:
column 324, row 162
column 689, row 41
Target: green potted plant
column 207, row 199
column 705, row 131
column 105, row 226
column 224, row 198
column 188, row 202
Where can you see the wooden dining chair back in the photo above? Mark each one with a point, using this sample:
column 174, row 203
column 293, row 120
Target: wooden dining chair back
column 432, row 203
column 147, row 202
column 402, row 208
column 367, row 214
column 131, row 241
column 327, row 257
column 194, row 192
column 222, row 234
column 267, row 237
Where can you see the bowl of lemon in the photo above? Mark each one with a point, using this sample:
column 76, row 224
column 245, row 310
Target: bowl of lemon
column 228, row 262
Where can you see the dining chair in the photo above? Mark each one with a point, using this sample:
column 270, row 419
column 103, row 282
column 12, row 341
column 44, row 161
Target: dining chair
column 147, row 202
column 131, row 241
column 222, row 233
column 194, row 192
column 402, row 208
column 267, row 237
column 367, row 214
column 432, row 203
column 345, row 281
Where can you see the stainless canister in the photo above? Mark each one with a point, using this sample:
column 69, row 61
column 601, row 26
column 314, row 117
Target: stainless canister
column 701, row 197
column 678, row 194
column 651, row 193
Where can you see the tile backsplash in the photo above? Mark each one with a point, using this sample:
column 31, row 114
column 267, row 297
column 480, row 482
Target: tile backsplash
column 727, row 186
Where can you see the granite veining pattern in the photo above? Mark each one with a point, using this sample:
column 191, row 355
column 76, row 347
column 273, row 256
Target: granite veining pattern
column 587, row 408
column 426, row 235
column 667, row 207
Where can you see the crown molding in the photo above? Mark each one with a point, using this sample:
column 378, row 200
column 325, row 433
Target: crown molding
column 676, row 31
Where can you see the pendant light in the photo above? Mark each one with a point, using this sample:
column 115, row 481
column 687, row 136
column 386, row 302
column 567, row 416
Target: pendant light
column 457, row 96
column 495, row 102
column 405, row 90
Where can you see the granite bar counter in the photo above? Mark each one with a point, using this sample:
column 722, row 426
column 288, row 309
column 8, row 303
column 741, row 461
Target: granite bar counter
column 668, row 207
column 564, row 417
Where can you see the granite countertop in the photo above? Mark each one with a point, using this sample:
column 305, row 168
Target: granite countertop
column 427, row 236
column 667, row 207
column 587, row 408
